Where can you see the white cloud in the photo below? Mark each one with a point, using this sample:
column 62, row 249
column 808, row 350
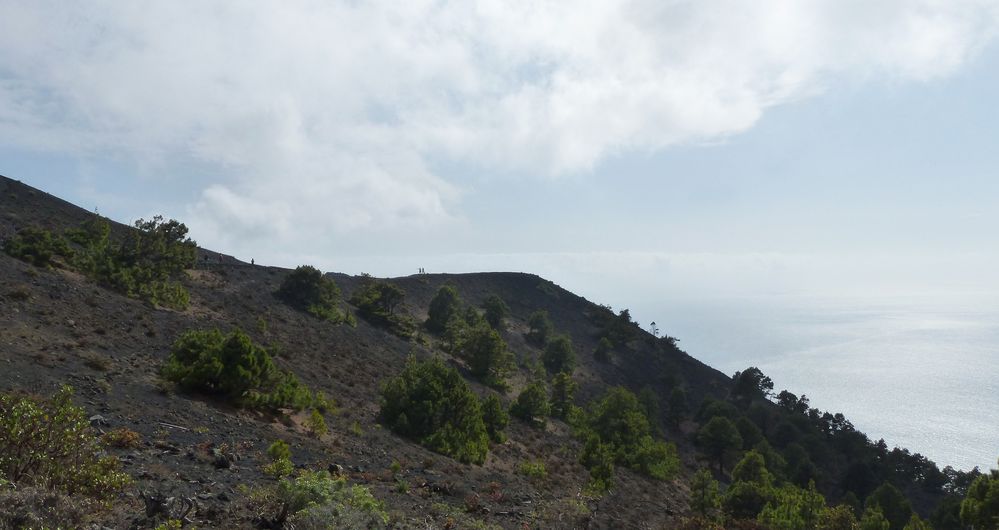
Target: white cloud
column 330, row 114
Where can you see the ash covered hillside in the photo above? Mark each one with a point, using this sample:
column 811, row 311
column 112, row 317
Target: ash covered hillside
column 151, row 383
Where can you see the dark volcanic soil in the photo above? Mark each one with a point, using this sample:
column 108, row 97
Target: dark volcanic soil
column 57, row 327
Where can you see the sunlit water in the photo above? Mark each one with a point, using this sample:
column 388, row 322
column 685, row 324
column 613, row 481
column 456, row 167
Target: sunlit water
column 923, row 373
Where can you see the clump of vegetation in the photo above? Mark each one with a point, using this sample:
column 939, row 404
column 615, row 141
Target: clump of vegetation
column 486, row 354
column 36, row 246
column 602, row 353
column 430, row 403
column 563, row 391
column 980, row 509
column 559, row 355
column 233, row 367
column 618, row 329
column 540, row 328
column 468, row 336
column 146, row 264
column 496, row 418
column 377, row 302
column 280, row 455
column 535, row 470
column 444, row 307
column 316, row 424
column 496, row 311
column 532, row 404
column 48, row 443
column 307, row 289
column 317, row 499
column 617, row 425
column 122, row 438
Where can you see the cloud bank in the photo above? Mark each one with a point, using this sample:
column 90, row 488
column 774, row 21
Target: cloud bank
column 331, row 117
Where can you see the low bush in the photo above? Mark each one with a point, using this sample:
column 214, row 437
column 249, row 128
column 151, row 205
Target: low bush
column 430, row 403
column 36, row 246
column 48, row 443
column 532, row 404
column 316, row 499
column 233, row 367
column 307, row 289
column 534, row 470
column 559, row 355
column 280, row 464
column 540, row 328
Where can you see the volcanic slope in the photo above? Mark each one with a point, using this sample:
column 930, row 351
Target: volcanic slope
column 58, row 327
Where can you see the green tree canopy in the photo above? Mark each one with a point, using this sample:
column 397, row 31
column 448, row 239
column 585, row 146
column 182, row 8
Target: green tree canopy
column 377, row 299
column 307, row 289
column 750, row 384
column 559, row 355
column 563, row 390
column 495, row 417
column 444, row 306
column 234, row 367
column 532, row 404
column 618, row 420
column 486, row 354
column 981, row 506
column 892, row 504
column 717, row 437
column 430, row 403
column 496, row 310
column 540, row 327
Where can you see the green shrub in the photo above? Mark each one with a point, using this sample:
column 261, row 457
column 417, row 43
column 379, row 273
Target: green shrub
column 559, row 355
column 280, row 464
column 307, row 289
column 316, row 424
column 36, row 246
column 563, row 390
column 532, row 404
column 445, row 305
column 602, row 353
column 486, row 354
column 145, row 265
column 49, row 443
column 431, row 404
column 234, row 367
column 618, row 422
column 316, row 499
column 534, row 470
column 377, row 300
column 540, row 328
column 496, row 310
column 495, row 417
column 981, row 506
column 598, row 458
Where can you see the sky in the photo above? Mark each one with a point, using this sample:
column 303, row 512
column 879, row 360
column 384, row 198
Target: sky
column 638, row 152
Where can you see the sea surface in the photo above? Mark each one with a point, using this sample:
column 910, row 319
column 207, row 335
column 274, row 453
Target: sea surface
column 922, row 372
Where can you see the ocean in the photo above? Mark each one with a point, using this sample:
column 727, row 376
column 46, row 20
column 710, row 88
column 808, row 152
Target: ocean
column 920, row 372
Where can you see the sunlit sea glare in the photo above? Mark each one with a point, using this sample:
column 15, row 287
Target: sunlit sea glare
column 920, row 372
